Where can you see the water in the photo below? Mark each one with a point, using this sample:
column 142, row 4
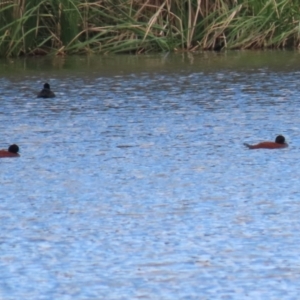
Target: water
column 133, row 183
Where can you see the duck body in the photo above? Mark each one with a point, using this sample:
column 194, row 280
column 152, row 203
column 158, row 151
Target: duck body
column 266, row 145
column 46, row 92
column 278, row 144
column 11, row 152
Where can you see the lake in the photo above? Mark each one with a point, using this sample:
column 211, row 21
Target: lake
column 134, row 183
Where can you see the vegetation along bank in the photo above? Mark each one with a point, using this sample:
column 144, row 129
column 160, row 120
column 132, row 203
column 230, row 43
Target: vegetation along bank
column 39, row 27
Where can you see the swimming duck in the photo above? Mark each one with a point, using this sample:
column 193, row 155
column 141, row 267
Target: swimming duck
column 11, row 152
column 46, row 92
column 278, row 144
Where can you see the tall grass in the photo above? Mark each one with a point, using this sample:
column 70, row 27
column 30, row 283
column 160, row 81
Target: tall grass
column 36, row 27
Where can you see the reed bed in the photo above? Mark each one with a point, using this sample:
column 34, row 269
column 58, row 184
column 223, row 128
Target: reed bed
column 39, row 27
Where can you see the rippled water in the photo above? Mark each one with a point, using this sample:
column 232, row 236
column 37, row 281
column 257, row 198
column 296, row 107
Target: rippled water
column 133, row 183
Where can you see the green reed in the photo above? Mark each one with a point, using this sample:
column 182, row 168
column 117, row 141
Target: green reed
column 37, row 27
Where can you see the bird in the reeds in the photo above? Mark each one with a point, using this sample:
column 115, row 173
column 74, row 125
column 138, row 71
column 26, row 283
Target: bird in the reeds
column 46, row 92
column 278, row 144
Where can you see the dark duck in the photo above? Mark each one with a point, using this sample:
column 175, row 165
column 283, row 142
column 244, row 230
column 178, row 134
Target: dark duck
column 46, row 92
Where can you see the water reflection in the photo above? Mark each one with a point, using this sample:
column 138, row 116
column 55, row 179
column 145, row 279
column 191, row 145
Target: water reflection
column 135, row 176
column 235, row 61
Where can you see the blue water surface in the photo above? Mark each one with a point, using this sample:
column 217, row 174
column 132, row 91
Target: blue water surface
column 133, row 183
